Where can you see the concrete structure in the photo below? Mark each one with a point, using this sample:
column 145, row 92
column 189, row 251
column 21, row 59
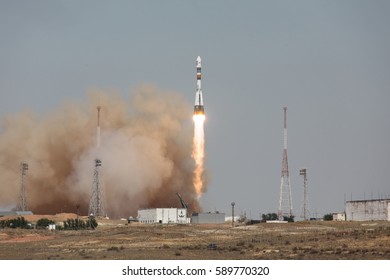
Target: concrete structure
column 368, row 210
column 163, row 216
column 338, row 216
column 208, row 218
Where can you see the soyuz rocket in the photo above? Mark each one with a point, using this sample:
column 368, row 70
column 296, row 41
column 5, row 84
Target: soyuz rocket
column 198, row 108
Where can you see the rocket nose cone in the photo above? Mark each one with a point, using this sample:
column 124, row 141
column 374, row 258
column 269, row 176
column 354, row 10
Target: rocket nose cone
column 198, row 59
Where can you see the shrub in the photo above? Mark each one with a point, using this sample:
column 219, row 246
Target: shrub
column 19, row 222
column 92, row 223
column 328, row 217
column 113, row 248
column 288, row 219
column 44, row 223
column 77, row 224
column 269, row 217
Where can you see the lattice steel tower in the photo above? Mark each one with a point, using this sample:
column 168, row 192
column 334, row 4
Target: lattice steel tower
column 305, row 210
column 285, row 199
column 96, row 203
column 22, row 196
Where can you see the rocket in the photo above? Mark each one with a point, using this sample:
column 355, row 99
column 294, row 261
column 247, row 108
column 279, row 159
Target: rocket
column 198, row 108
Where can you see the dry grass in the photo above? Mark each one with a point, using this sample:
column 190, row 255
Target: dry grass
column 118, row 240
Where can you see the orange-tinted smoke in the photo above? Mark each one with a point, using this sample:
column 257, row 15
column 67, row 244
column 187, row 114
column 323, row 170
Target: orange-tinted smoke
column 145, row 149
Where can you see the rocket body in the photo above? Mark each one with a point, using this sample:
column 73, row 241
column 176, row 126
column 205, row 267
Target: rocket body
column 199, row 108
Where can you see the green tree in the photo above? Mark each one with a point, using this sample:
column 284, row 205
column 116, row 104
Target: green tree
column 328, row 217
column 269, row 217
column 288, row 219
column 19, row 222
column 78, row 224
column 44, row 223
column 92, row 223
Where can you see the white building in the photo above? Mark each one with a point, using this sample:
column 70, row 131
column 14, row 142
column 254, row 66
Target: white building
column 229, row 218
column 368, row 210
column 208, row 218
column 163, row 216
column 338, row 216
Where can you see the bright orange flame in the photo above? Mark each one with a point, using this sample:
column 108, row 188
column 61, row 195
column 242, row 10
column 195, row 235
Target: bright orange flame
column 198, row 152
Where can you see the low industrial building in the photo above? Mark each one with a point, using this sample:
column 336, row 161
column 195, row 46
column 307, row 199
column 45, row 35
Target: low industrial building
column 368, row 210
column 338, row 216
column 163, row 216
column 230, row 218
column 208, row 218
column 15, row 213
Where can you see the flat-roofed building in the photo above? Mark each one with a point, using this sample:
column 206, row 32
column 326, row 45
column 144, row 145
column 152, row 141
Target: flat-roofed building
column 368, row 210
column 208, row 218
column 163, row 216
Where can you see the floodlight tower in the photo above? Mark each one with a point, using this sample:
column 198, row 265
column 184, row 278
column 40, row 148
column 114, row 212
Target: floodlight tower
column 22, row 196
column 305, row 210
column 285, row 199
column 96, row 203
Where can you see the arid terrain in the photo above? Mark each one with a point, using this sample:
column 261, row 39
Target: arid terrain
column 116, row 239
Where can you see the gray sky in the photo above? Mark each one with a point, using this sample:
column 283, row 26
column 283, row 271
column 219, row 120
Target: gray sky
column 328, row 61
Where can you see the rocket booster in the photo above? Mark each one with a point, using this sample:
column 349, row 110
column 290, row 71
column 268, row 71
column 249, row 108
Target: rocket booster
column 198, row 108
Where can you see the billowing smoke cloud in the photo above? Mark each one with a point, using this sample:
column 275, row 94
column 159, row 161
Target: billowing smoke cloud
column 145, row 149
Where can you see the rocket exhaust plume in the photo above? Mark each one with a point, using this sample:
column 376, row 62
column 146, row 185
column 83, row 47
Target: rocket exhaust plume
column 198, row 142
column 198, row 153
column 145, row 147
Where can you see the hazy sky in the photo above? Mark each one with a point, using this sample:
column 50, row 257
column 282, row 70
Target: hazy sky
column 327, row 61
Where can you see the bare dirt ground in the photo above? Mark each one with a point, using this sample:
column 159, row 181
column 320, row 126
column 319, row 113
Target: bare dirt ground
column 115, row 239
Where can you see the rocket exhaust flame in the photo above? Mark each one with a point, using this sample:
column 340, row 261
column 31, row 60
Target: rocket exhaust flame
column 198, row 153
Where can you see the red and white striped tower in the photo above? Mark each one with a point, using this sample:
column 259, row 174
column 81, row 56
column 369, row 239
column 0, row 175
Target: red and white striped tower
column 285, row 199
